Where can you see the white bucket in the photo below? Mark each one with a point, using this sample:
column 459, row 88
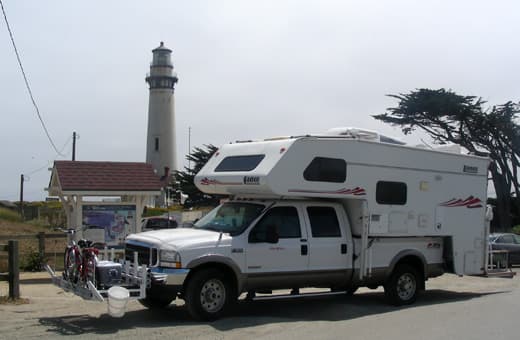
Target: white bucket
column 117, row 300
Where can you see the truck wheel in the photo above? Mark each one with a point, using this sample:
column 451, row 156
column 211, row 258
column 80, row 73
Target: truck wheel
column 402, row 286
column 208, row 293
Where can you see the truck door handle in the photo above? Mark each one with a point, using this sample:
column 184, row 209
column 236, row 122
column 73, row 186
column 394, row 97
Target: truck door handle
column 343, row 248
column 305, row 249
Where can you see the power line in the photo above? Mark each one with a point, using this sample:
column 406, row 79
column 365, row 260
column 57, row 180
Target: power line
column 32, row 172
column 27, row 82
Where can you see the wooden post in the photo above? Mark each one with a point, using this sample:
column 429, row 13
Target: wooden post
column 14, row 270
column 41, row 247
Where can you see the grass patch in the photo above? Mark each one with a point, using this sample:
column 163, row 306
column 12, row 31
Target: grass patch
column 9, row 215
column 38, row 223
column 17, row 228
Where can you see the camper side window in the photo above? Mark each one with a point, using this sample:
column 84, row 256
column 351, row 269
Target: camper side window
column 323, row 169
column 391, row 193
column 239, row 163
column 324, row 222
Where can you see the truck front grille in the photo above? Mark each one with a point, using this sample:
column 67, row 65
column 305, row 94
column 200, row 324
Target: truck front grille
column 145, row 255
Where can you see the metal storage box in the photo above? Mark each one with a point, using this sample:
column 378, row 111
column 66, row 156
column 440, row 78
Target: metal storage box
column 108, row 273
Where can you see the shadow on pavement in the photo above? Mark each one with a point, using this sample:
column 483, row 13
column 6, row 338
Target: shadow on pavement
column 36, row 280
column 252, row 313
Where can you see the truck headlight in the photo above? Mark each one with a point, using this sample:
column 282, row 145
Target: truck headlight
column 170, row 258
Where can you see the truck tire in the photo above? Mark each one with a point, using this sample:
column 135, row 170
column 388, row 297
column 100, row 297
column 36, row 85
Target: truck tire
column 208, row 294
column 403, row 285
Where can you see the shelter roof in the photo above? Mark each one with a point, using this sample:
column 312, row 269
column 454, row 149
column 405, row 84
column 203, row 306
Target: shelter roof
column 92, row 176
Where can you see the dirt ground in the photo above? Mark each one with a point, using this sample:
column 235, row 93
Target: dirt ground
column 451, row 308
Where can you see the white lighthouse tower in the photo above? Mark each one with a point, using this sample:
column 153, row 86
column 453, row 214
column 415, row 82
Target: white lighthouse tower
column 160, row 143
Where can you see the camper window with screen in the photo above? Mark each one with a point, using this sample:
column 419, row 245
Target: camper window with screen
column 323, row 169
column 239, row 163
column 391, row 193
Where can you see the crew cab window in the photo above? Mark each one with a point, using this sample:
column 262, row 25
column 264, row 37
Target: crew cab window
column 391, row 193
column 285, row 220
column 324, row 222
column 230, row 217
column 239, row 163
column 323, row 169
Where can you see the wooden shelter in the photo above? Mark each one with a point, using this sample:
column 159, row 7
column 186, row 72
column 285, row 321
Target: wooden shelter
column 102, row 189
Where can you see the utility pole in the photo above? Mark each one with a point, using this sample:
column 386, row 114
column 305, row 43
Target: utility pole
column 21, row 197
column 74, row 146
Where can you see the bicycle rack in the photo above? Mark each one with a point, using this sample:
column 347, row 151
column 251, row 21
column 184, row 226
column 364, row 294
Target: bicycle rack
column 134, row 278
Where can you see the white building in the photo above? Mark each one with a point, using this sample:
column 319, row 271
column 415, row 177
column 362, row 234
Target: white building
column 160, row 144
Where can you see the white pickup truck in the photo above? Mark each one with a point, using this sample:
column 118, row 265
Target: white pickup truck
column 345, row 209
column 246, row 246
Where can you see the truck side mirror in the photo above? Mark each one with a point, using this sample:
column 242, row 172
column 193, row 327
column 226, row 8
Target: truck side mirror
column 272, row 234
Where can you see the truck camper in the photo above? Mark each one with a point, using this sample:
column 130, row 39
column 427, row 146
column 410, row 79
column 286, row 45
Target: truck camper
column 387, row 190
column 345, row 209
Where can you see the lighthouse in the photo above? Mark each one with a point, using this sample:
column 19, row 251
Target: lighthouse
column 160, row 143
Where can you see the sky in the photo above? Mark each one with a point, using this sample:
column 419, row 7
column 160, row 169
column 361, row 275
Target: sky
column 247, row 70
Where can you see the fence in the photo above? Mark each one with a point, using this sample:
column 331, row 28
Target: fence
column 13, row 275
column 36, row 248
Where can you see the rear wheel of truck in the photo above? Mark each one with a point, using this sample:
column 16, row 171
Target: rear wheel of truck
column 208, row 294
column 403, row 285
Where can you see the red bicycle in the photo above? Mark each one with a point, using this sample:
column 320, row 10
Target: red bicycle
column 80, row 261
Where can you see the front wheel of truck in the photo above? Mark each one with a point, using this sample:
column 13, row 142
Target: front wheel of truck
column 208, row 294
column 403, row 285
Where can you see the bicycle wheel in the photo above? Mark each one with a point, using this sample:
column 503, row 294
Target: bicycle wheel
column 89, row 265
column 72, row 263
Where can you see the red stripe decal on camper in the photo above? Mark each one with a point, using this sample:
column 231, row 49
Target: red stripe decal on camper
column 209, row 181
column 357, row 191
column 470, row 202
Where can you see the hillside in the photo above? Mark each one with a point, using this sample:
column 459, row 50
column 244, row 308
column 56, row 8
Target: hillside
column 14, row 228
column 10, row 221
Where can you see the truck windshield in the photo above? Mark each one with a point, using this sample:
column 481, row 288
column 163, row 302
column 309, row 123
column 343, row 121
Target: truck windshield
column 231, row 217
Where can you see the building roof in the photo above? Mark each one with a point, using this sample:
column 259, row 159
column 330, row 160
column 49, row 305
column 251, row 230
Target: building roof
column 161, row 48
column 91, row 176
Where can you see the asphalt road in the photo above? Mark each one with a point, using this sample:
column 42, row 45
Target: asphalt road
column 451, row 308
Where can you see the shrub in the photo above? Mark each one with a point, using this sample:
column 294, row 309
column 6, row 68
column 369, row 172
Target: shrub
column 149, row 212
column 32, row 262
column 516, row 229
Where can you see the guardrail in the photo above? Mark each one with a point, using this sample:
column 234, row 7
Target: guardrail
column 13, row 276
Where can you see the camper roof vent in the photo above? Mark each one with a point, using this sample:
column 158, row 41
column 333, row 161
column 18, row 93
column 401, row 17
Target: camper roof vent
column 364, row 134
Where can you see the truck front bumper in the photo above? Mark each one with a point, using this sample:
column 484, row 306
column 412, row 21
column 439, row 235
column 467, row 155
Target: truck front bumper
column 169, row 276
